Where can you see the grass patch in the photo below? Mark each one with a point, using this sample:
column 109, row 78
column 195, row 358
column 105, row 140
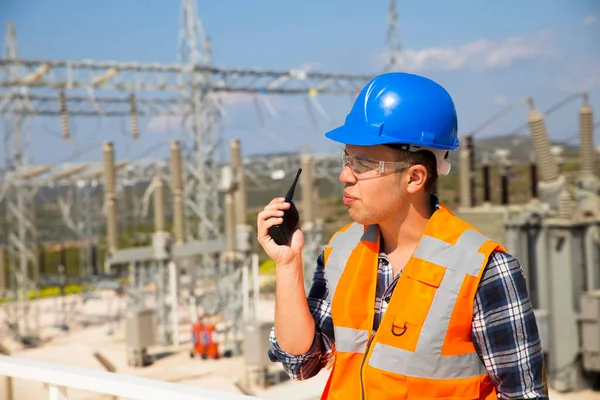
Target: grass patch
column 267, row 267
column 51, row 291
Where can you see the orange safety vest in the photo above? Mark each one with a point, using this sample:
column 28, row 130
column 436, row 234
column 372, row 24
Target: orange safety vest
column 423, row 347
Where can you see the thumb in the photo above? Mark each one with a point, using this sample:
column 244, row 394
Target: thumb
column 297, row 242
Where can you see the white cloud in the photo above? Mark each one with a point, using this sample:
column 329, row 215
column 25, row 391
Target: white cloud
column 590, row 19
column 499, row 100
column 480, row 54
column 310, row 66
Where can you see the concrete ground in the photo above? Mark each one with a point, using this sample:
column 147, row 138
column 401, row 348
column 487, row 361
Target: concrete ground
column 93, row 330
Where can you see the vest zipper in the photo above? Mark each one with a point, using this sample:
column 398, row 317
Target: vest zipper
column 362, row 383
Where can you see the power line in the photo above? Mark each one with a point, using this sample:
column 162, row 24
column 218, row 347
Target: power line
column 40, row 87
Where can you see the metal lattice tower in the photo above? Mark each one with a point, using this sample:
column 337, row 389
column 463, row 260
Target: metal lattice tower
column 394, row 41
column 21, row 232
column 36, row 87
column 194, row 52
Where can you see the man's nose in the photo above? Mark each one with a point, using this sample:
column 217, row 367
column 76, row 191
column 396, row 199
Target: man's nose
column 346, row 176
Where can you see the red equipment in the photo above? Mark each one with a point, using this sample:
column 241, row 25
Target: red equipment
column 204, row 340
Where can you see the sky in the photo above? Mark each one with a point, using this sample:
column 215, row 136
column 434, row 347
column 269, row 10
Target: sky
column 487, row 54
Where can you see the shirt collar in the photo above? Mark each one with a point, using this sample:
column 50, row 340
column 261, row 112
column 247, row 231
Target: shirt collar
column 435, row 202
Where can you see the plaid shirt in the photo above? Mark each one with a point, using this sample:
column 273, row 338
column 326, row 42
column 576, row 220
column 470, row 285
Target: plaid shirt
column 504, row 329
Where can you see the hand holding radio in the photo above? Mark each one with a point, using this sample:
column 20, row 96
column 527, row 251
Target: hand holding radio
column 278, row 231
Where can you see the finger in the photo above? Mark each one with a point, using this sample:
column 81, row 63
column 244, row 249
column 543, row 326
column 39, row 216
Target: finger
column 272, row 221
column 276, row 200
column 266, row 220
column 278, row 206
column 266, row 214
column 263, row 233
column 297, row 242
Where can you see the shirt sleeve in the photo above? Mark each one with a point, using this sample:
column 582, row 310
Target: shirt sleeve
column 505, row 331
column 305, row 366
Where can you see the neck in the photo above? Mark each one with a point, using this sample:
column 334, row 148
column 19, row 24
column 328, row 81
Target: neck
column 402, row 233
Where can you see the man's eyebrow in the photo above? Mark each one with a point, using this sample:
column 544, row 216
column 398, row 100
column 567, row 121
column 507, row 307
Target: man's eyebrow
column 361, row 157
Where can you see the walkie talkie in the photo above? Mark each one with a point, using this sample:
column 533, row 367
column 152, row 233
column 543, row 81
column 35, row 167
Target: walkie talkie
column 282, row 234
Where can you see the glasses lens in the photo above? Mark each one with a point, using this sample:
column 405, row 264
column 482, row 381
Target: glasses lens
column 344, row 159
column 357, row 165
column 361, row 166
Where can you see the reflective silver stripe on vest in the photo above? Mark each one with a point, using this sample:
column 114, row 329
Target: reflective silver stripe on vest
column 349, row 340
column 462, row 257
column 421, row 365
column 342, row 244
column 459, row 260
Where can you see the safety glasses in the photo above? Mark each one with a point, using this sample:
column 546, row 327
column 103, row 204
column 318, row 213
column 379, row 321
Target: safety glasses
column 364, row 168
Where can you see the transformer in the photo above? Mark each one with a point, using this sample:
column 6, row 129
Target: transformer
column 556, row 237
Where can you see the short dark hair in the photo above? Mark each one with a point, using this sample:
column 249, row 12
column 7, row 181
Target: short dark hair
column 421, row 157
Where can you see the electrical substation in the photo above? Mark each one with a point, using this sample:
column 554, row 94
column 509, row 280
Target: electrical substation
column 200, row 261
column 206, row 266
column 556, row 237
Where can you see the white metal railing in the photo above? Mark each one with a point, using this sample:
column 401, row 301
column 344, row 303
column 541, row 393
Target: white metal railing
column 59, row 377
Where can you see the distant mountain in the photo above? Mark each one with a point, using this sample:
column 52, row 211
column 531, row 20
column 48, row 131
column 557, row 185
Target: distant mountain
column 519, row 147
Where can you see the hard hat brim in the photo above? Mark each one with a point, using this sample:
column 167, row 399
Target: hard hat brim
column 349, row 136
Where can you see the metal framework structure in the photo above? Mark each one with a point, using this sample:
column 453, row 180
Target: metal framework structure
column 556, row 237
column 31, row 87
column 394, row 40
column 558, row 243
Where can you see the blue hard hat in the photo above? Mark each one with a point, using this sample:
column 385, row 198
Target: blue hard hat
column 400, row 108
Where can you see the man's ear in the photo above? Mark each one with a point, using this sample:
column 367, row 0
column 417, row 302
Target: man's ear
column 417, row 177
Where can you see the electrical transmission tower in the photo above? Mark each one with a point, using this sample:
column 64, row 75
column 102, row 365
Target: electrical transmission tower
column 194, row 52
column 20, row 230
column 35, row 87
column 393, row 61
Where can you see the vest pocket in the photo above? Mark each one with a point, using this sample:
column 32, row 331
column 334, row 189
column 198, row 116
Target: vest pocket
column 425, row 272
column 414, row 294
column 410, row 304
column 402, row 323
column 413, row 304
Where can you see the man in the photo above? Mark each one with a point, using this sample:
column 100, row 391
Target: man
column 408, row 301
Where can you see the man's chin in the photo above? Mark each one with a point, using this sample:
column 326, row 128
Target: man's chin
column 358, row 217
